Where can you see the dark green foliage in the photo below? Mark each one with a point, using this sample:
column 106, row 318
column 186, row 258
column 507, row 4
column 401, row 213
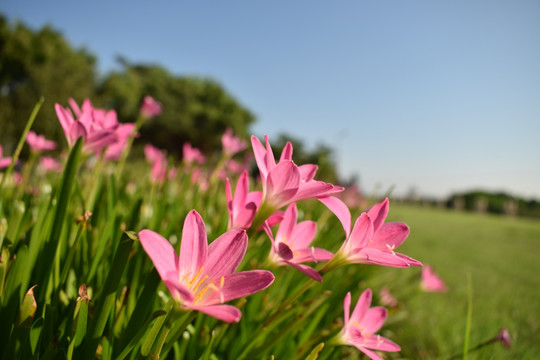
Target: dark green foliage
column 35, row 64
column 195, row 110
column 496, row 203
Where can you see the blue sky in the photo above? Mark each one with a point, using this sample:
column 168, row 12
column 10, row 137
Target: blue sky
column 440, row 96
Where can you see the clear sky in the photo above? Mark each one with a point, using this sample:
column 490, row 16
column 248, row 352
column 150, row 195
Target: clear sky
column 441, row 96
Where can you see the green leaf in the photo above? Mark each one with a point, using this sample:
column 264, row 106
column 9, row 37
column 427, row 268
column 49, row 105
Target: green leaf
column 140, row 333
column 23, row 323
column 314, row 354
column 108, row 296
column 45, row 264
column 35, row 335
column 22, row 139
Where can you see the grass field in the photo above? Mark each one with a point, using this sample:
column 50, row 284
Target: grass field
column 500, row 255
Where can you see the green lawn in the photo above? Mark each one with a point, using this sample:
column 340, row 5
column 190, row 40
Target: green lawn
column 501, row 255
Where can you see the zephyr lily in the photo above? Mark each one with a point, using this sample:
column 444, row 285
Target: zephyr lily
column 371, row 241
column 387, row 298
column 50, row 164
column 232, row 144
column 96, row 126
column 150, row 107
column 431, row 282
column 360, row 327
column 123, row 133
column 39, row 143
column 158, row 161
column 191, row 154
column 291, row 244
column 243, row 206
column 202, row 278
column 284, row 182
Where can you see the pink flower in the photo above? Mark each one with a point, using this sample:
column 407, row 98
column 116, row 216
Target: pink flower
column 158, row 161
column 371, row 241
column 50, row 164
column 232, row 144
column 235, row 167
column 504, row 337
column 150, row 107
column 94, row 125
column 291, row 244
column 202, row 278
column 387, row 298
column 123, row 133
column 4, row 161
column 39, row 143
column 430, row 281
column 285, row 182
column 191, row 154
column 243, row 206
column 359, row 329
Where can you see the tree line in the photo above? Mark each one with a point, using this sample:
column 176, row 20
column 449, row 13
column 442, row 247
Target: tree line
column 35, row 63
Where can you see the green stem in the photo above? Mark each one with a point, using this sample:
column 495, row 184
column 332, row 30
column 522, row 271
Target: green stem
column 264, row 212
column 18, row 149
column 108, row 296
column 178, row 329
column 123, row 157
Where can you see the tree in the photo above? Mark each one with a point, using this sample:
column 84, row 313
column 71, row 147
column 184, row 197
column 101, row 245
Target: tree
column 35, row 64
column 195, row 110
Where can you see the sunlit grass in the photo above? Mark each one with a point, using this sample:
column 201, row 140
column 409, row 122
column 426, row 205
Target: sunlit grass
column 500, row 254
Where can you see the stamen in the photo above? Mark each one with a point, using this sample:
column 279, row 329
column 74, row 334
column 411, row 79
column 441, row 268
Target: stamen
column 391, row 248
column 200, row 294
column 196, row 276
column 199, row 283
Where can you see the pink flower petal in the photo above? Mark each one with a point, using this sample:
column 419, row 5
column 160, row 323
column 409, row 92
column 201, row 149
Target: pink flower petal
column 227, row 313
column 377, row 342
column 346, row 309
column 244, row 283
column 371, row 354
column 286, row 153
column 340, row 209
column 390, row 236
column 74, row 107
column 377, row 257
column 65, row 117
column 307, row 172
column 374, row 319
column 178, row 290
column 270, row 159
column 288, row 224
column 409, row 260
column 260, row 156
column 361, row 234
column 303, row 234
column 165, row 261
column 193, row 249
column 311, row 254
column 282, row 183
column 225, row 253
column 361, row 307
column 315, row 189
column 284, row 251
column 378, row 213
column 309, row 271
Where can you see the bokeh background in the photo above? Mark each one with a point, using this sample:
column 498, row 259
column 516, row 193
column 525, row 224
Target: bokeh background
column 433, row 103
column 425, row 98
